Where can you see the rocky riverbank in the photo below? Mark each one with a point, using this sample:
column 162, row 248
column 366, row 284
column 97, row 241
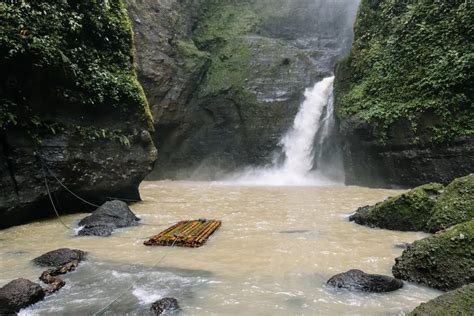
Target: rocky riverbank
column 443, row 261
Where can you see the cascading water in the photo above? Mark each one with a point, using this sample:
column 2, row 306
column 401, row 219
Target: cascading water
column 298, row 143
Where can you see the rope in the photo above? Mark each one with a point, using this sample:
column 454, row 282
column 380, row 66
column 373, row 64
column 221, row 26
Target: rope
column 52, row 202
column 106, row 307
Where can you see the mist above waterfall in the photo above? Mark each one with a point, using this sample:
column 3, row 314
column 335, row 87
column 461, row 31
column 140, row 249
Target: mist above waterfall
column 298, row 144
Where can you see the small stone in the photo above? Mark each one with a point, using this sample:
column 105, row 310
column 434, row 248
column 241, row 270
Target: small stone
column 164, row 305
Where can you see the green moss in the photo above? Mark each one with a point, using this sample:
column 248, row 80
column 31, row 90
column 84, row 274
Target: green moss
column 406, row 212
column 60, row 55
column 223, row 21
column 459, row 302
column 411, row 59
column 455, row 205
column 444, row 261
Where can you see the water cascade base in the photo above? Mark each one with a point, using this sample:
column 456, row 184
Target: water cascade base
column 192, row 234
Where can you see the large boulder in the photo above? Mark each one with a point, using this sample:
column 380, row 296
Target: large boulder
column 357, row 280
column 59, row 257
column 455, row 205
column 110, row 215
column 164, row 305
column 406, row 212
column 18, row 294
column 455, row 303
column 444, row 261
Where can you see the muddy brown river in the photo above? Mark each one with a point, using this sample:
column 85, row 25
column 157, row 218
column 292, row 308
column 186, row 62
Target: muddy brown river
column 272, row 256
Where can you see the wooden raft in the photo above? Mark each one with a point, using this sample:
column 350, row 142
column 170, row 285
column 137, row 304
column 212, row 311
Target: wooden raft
column 185, row 234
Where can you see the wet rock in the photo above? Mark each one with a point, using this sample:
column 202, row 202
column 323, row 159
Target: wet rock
column 18, row 294
column 443, row 261
column 454, row 303
column 59, row 257
column 409, row 211
column 164, row 305
column 357, row 280
column 110, row 215
column 455, row 204
column 403, row 245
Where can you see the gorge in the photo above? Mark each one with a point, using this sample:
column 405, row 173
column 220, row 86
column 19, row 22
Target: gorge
column 278, row 117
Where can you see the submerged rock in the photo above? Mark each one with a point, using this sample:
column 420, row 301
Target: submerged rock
column 111, row 215
column 18, row 294
column 444, row 261
column 409, row 211
column 164, row 305
column 59, row 257
column 454, row 303
column 357, row 280
column 455, row 204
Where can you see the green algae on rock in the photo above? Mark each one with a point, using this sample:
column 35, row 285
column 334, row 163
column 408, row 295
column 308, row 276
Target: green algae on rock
column 406, row 212
column 459, row 302
column 444, row 261
column 455, row 204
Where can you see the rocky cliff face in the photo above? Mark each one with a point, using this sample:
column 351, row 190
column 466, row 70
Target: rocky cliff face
column 225, row 78
column 70, row 107
column 404, row 96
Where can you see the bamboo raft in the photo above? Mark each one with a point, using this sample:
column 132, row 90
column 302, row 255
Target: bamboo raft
column 185, row 234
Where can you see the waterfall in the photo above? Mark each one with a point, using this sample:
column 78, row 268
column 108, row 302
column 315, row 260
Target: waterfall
column 298, row 142
column 302, row 145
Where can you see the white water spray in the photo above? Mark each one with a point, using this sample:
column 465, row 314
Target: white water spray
column 298, row 144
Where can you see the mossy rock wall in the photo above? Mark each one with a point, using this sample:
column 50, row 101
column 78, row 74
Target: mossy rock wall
column 404, row 96
column 444, row 261
column 225, row 78
column 69, row 96
column 459, row 302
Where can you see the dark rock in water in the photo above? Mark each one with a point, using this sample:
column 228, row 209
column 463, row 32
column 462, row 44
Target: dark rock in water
column 59, row 257
column 403, row 245
column 18, row 294
column 164, row 305
column 357, row 280
column 443, row 261
column 111, row 215
column 455, row 303
column 100, row 229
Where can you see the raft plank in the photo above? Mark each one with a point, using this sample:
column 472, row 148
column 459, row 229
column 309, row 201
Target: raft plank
column 193, row 233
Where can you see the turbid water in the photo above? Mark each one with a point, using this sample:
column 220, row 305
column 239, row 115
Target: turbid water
column 272, row 256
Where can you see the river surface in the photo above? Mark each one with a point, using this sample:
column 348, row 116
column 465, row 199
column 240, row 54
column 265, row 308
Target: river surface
column 272, row 256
